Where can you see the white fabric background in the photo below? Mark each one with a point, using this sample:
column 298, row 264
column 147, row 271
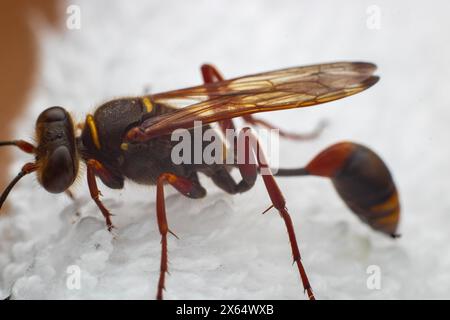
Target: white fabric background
column 227, row 248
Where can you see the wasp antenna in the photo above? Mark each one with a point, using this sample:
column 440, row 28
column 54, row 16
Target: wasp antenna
column 26, row 169
column 21, row 144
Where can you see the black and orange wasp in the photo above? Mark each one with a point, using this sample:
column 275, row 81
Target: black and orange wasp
column 131, row 138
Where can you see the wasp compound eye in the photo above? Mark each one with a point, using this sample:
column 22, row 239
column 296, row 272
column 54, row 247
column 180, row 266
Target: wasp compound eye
column 56, row 151
column 53, row 114
column 363, row 181
column 58, row 171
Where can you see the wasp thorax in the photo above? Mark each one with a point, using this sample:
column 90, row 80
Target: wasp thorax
column 56, row 153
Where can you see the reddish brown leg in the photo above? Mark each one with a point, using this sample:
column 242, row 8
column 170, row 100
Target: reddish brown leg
column 188, row 188
column 21, row 144
column 210, row 75
column 279, row 203
column 93, row 167
column 288, row 135
column 248, row 172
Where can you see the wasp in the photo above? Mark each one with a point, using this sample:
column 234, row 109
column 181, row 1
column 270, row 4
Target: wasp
column 129, row 138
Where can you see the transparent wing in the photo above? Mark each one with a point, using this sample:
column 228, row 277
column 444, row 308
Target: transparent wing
column 269, row 91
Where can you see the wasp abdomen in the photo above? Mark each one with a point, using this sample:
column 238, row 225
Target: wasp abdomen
column 366, row 186
column 363, row 181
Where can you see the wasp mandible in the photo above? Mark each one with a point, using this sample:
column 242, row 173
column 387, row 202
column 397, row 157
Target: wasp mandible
column 130, row 138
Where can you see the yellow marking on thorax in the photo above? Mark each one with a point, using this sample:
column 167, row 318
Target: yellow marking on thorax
column 124, row 146
column 148, row 104
column 93, row 128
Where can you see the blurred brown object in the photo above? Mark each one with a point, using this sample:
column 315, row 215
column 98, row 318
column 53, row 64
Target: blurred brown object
column 18, row 56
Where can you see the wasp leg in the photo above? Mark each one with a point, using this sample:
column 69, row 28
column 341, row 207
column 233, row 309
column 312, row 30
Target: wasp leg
column 248, row 170
column 189, row 188
column 93, row 167
column 211, row 74
column 250, row 119
column 279, row 203
column 223, row 179
column 21, row 144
